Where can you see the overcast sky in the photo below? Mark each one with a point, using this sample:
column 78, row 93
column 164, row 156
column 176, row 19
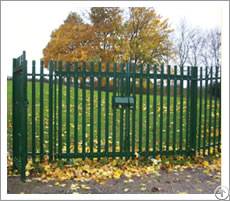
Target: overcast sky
column 28, row 25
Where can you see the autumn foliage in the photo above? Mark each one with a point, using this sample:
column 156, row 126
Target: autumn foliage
column 141, row 36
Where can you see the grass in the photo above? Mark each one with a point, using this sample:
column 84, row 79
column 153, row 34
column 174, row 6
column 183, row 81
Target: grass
column 103, row 118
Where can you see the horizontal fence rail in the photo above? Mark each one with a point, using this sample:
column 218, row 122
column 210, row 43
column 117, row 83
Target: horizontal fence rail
column 95, row 110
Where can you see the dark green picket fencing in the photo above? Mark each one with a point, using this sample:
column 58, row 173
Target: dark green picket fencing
column 95, row 110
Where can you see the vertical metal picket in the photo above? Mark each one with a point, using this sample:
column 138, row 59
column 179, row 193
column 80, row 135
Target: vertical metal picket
column 134, row 109
column 76, row 108
column 147, row 110
column 210, row 112
column 83, row 111
column 200, row 110
column 60, row 110
column 41, row 111
column 91, row 109
column 219, row 122
column 168, row 111
column 99, row 113
column 188, row 112
column 114, row 110
column 215, row 108
column 181, row 107
column 33, row 112
column 55, row 111
column 193, row 111
column 50, row 111
column 67, row 110
column 205, row 109
column 174, row 110
column 121, row 111
column 107, row 111
column 154, row 110
column 161, row 109
column 140, row 108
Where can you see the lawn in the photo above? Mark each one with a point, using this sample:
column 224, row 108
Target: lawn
column 110, row 119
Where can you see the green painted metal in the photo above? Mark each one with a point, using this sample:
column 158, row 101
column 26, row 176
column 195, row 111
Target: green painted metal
column 147, row 111
column 161, row 109
column 210, row 112
column 123, row 101
column 99, row 113
column 114, row 111
column 188, row 112
column 154, row 111
column 127, row 112
column 168, row 112
column 55, row 111
column 181, row 107
column 193, row 111
column 133, row 66
column 33, row 113
column 124, row 87
column 121, row 84
column 174, row 111
column 76, row 108
column 141, row 109
column 215, row 109
column 20, row 114
column 91, row 107
column 205, row 109
column 50, row 110
column 107, row 110
column 84, row 110
column 219, row 123
column 60, row 78
column 41, row 111
column 68, row 110
column 200, row 110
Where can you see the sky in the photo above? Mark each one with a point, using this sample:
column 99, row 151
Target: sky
column 28, row 25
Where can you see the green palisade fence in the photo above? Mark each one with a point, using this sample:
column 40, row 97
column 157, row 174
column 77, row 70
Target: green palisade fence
column 95, row 110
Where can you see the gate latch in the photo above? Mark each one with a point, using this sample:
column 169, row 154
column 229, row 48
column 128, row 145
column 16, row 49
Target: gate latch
column 123, row 101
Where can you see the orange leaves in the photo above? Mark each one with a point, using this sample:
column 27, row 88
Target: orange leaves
column 143, row 37
column 105, row 169
column 149, row 35
column 70, row 42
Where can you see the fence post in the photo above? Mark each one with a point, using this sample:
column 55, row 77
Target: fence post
column 193, row 111
column 20, row 114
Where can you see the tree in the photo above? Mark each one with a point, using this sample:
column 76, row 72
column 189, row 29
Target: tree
column 196, row 45
column 211, row 54
column 142, row 38
column 71, row 41
column 147, row 36
column 107, row 26
column 182, row 43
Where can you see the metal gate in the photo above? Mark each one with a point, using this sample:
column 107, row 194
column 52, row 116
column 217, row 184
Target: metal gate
column 113, row 110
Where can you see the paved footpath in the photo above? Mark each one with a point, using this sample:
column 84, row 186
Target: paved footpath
column 186, row 181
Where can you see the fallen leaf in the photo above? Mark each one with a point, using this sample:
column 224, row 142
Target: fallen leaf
column 143, row 188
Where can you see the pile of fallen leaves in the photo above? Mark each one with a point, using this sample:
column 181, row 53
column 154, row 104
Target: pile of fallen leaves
column 105, row 169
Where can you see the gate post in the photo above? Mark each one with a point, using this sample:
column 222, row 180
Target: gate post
column 19, row 84
column 193, row 112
